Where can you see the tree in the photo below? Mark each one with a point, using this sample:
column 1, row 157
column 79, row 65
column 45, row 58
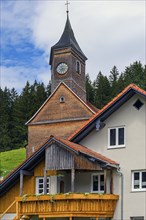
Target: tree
column 136, row 74
column 89, row 90
column 5, row 112
column 113, row 80
column 102, row 90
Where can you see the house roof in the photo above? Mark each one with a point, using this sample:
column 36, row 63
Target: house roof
column 106, row 111
column 88, row 105
column 86, row 151
column 39, row 155
column 67, row 40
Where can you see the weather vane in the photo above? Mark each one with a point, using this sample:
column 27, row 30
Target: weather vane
column 67, row 3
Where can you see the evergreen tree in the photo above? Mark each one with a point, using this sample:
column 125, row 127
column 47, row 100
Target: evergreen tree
column 89, row 90
column 136, row 74
column 5, row 111
column 22, row 113
column 102, row 90
column 48, row 89
column 113, row 80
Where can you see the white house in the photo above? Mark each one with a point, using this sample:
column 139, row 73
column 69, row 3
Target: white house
column 118, row 131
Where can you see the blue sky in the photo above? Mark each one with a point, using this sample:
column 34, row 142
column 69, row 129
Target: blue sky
column 109, row 33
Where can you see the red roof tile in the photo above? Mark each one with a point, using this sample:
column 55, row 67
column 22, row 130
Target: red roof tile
column 85, row 150
column 131, row 86
column 73, row 146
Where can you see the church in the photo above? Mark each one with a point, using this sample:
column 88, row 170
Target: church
column 82, row 162
column 67, row 108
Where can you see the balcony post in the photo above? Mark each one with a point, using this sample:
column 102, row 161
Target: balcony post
column 45, row 181
column 105, row 175
column 111, row 182
column 72, row 180
column 21, row 183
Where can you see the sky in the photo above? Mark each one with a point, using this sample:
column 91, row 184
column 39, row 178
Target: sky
column 109, row 32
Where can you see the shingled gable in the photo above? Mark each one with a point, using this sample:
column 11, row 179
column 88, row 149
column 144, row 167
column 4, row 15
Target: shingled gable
column 39, row 155
column 87, row 105
column 106, row 111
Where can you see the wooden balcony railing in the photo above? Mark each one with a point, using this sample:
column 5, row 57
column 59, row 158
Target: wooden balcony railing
column 67, row 205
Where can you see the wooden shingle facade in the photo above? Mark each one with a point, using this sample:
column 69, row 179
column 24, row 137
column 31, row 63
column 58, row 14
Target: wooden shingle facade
column 62, row 114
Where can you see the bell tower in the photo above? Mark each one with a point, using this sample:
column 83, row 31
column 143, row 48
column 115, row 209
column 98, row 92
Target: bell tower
column 68, row 63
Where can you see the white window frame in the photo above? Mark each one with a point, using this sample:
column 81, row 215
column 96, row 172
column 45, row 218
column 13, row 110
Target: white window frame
column 137, row 218
column 37, row 185
column 116, row 145
column 140, row 180
column 96, row 174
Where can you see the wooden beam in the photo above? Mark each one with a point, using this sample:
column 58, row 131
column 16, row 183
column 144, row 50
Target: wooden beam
column 72, row 180
column 68, row 215
column 7, row 209
column 111, row 182
column 26, row 173
column 17, row 211
column 105, row 179
column 45, row 181
column 21, row 183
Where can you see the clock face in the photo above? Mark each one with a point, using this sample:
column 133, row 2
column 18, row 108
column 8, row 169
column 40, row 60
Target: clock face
column 62, row 68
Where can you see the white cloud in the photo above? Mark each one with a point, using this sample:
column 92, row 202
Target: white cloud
column 17, row 76
column 109, row 32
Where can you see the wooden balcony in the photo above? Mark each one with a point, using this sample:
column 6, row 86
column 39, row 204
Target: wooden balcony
column 67, row 205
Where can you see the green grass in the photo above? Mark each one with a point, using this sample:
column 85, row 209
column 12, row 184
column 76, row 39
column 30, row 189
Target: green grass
column 9, row 160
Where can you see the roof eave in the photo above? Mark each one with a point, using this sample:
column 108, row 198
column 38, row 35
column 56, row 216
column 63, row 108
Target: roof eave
column 104, row 114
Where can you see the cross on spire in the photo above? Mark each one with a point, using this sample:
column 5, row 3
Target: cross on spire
column 67, row 3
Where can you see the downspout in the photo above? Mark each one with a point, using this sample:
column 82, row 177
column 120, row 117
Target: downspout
column 122, row 191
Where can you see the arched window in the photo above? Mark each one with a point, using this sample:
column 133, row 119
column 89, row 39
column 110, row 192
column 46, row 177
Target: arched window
column 78, row 67
column 62, row 99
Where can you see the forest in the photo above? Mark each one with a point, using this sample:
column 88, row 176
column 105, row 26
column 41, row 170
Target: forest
column 16, row 109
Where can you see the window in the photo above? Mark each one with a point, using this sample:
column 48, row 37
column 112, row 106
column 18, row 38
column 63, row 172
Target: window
column 62, row 99
column 78, row 67
column 138, row 180
column 138, row 104
column 116, row 137
column 40, row 185
column 137, row 218
column 98, row 183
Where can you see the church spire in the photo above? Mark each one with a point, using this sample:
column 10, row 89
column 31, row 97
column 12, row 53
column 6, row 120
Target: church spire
column 68, row 40
column 68, row 62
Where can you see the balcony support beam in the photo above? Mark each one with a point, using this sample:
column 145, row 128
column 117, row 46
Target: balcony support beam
column 105, row 179
column 21, row 183
column 22, row 173
column 72, row 180
column 111, row 182
column 45, row 181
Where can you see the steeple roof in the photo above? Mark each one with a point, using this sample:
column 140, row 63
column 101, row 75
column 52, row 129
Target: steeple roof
column 68, row 40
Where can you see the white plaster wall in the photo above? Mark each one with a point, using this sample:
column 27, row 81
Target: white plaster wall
column 83, row 182
column 53, row 184
column 132, row 157
column 9, row 216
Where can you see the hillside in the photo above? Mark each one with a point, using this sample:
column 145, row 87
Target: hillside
column 9, row 160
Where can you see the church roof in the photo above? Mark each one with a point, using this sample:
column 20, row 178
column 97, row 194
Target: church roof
column 68, row 40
